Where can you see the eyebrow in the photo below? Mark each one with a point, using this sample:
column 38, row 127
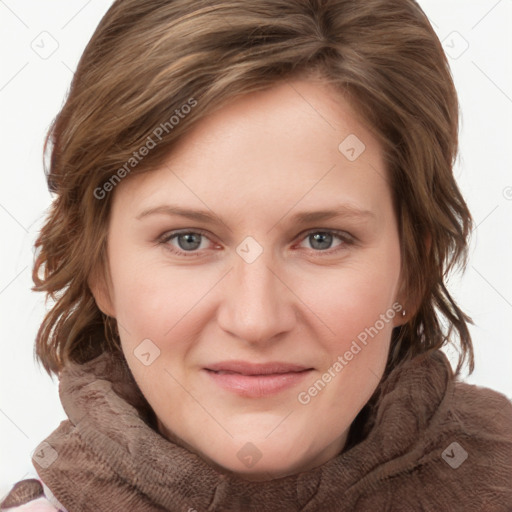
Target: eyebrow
column 342, row 211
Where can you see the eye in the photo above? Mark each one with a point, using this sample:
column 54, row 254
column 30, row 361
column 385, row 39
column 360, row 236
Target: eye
column 190, row 243
column 322, row 240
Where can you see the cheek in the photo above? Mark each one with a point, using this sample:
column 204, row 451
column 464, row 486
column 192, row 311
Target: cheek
column 359, row 309
column 143, row 299
column 352, row 300
column 157, row 301
column 149, row 309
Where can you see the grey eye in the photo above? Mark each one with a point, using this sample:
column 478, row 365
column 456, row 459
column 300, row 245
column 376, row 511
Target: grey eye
column 320, row 240
column 189, row 241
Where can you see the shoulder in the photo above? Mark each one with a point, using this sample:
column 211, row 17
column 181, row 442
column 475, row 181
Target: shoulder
column 484, row 416
column 30, row 496
column 477, row 452
column 469, row 455
column 459, row 455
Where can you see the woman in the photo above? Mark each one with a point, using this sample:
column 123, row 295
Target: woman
column 255, row 214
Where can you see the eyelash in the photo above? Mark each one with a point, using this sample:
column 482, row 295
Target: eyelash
column 164, row 239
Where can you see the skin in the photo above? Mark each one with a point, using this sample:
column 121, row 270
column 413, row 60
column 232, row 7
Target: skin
column 255, row 163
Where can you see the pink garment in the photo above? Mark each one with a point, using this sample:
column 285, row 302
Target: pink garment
column 44, row 502
column 38, row 505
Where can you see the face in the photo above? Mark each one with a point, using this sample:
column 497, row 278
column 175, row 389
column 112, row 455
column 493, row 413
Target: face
column 256, row 324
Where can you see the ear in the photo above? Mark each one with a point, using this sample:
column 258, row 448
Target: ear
column 402, row 308
column 409, row 304
column 100, row 285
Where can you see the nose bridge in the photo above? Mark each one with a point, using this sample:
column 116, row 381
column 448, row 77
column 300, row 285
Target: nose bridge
column 257, row 305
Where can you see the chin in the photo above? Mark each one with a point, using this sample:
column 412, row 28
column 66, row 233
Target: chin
column 270, row 470
column 258, row 462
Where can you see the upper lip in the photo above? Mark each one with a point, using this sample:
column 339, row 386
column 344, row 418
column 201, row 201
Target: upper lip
column 246, row 368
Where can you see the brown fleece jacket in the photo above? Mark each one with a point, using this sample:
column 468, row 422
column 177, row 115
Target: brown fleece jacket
column 426, row 443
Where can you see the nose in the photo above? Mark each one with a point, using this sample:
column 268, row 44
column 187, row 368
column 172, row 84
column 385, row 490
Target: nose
column 257, row 303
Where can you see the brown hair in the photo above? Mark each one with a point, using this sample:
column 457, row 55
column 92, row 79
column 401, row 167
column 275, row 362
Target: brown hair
column 149, row 58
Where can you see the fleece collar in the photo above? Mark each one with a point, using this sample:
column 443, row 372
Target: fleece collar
column 109, row 456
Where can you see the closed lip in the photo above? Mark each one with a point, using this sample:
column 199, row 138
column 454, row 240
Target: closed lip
column 246, row 368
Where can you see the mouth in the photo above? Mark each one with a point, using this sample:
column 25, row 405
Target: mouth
column 256, row 380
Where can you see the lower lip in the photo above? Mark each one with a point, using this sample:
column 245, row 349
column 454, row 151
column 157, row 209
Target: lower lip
column 257, row 386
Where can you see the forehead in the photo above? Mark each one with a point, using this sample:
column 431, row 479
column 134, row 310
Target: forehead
column 297, row 141
column 299, row 112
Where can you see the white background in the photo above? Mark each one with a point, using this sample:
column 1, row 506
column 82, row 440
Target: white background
column 32, row 90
